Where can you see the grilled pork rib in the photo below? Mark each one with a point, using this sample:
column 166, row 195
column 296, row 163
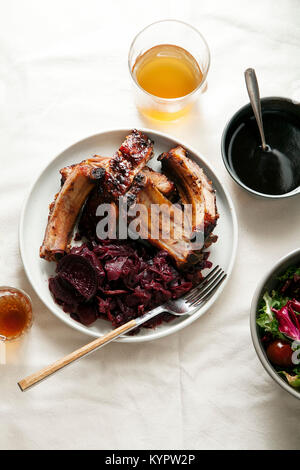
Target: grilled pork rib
column 162, row 183
column 116, row 176
column 153, row 225
column 64, row 211
column 88, row 220
column 165, row 186
column 194, row 188
column 96, row 162
column 127, row 162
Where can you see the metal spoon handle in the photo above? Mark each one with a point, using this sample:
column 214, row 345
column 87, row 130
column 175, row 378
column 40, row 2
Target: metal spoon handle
column 253, row 92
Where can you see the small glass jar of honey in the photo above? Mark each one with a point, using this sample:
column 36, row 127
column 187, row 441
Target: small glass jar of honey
column 169, row 62
column 15, row 313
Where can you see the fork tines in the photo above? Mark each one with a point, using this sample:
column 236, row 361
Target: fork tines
column 206, row 287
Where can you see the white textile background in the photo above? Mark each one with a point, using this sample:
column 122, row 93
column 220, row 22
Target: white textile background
column 64, row 76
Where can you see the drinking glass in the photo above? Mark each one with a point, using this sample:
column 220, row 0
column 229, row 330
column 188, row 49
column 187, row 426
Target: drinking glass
column 24, row 302
column 170, row 32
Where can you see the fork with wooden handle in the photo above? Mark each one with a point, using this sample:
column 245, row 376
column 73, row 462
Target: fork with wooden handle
column 185, row 305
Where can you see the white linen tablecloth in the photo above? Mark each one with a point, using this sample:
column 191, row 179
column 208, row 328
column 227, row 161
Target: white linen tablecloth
column 64, row 76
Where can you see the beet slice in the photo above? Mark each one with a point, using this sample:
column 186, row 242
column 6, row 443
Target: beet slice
column 63, row 292
column 84, row 251
column 79, row 273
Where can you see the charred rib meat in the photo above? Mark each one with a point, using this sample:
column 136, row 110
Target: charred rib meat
column 194, row 188
column 89, row 219
column 164, row 229
column 127, row 162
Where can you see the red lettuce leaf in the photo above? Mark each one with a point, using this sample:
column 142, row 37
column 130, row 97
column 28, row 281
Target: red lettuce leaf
column 288, row 320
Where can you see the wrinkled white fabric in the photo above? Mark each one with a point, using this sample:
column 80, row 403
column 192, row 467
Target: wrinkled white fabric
column 64, row 76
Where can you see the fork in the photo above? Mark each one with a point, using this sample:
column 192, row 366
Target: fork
column 185, row 305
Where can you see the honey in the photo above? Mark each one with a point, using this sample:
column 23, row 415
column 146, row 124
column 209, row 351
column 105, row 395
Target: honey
column 15, row 313
column 167, row 71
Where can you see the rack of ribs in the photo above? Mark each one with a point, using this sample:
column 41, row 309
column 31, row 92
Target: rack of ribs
column 106, row 179
column 116, row 176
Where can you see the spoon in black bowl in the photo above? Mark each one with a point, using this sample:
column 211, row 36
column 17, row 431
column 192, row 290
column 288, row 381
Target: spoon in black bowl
column 274, row 170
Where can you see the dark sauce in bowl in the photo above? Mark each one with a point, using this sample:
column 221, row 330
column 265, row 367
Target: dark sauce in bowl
column 276, row 171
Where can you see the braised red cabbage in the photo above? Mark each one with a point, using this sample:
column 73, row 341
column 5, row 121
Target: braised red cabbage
column 119, row 280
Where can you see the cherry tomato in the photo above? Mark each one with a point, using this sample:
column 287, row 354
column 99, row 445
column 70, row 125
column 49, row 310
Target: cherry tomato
column 280, row 353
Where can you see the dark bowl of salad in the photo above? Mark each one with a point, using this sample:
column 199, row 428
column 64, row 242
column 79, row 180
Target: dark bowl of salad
column 275, row 322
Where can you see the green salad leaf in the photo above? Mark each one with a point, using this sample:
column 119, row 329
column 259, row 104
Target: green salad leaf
column 293, row 380
column 297, row 370
column 289, row 274
column 266, row 318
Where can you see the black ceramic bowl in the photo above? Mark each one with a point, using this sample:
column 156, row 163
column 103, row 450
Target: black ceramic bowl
column 283, row 106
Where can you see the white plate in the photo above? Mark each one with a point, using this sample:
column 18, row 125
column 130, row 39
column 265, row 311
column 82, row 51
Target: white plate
column 35, row 213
